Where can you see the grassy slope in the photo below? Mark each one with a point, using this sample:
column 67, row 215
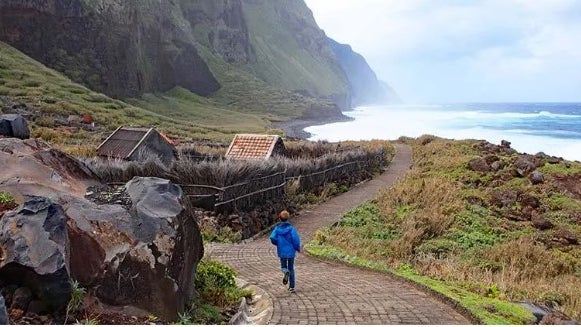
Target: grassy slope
column 280, row 59
column 440, row 226
column 179, row 113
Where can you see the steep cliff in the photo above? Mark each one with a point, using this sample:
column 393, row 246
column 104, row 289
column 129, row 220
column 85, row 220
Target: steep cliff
column 122, row 48
column 126, row 48
column 364, row 86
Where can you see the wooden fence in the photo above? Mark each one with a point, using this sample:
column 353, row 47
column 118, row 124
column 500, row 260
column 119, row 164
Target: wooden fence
column 249, row 194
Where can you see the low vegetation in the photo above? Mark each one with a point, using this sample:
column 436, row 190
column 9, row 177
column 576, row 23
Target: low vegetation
column 217, row 293
column 373, row 155
column 6, row 202
column 482, row 236
column 50, row 98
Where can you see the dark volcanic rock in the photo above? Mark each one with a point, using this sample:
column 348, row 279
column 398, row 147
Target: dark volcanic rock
column 21, row 299
column 145, row 257
column 501, row 198
column 541, row 223
column 525, row 164
column 529, row 200
column 12, row 125
column 498, row 165
column 3, row 312
column 557, row 318
column 479, row 164
column 37, row 169
column 34, row 242
column 536, row 177
column 565, row 237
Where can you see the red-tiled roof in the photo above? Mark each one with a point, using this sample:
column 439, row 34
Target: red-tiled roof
column 168, row 140
column 122, row 142
column 252, row 146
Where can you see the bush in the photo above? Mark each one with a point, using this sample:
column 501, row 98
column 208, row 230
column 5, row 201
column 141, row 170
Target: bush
column 215, row 284
column 6, row 198
column 439, row 247
column 361, row 216
column 212, row 273
column 44, row 121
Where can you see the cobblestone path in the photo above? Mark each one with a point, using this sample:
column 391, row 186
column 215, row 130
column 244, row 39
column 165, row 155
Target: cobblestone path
column 334, row 293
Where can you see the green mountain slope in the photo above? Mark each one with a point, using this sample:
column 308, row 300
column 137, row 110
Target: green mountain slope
column 254, row 55
column 28, row 87
column 292, row 51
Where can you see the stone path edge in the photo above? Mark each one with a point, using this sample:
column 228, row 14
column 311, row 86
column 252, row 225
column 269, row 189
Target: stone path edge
column 243, row 316
column 456, row 305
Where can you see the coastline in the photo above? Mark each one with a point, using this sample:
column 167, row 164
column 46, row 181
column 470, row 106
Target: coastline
column 294, row 129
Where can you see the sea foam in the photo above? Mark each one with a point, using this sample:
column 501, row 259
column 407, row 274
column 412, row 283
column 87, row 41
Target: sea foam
column 555, row 132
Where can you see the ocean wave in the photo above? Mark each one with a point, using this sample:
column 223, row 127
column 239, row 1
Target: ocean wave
column 516, row 115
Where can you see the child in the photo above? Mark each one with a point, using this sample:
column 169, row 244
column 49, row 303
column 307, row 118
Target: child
column 287, row 241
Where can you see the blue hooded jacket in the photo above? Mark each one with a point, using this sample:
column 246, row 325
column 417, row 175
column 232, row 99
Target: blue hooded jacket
column 287, row 240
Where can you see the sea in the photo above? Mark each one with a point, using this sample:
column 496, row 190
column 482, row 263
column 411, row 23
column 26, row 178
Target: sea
column 552, row 128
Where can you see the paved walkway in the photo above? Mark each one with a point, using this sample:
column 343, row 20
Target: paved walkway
column 334, row 293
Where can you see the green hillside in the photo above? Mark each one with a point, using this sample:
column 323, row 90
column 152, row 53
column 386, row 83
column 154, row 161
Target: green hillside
column 259, row 57
column 291, row 50
column 47, row 94
column 470, row 220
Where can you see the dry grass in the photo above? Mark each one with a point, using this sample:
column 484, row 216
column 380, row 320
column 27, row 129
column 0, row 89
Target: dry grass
column 428, row 221
column 227, row 172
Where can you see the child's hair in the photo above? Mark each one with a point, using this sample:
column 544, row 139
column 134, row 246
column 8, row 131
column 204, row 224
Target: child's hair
column 284, row 215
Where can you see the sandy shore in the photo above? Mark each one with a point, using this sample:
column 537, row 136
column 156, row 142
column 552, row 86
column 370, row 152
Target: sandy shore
column 294, row 129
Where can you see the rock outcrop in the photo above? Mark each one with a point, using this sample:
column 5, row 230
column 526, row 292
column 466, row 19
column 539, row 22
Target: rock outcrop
column 34, row 246
column 145, row 256
column 142, row 252
column 12, row 125
column 117, row 47
column 38, row 169
column 126, row 49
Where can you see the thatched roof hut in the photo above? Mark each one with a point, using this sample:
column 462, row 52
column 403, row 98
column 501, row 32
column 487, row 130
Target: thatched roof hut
column 135, row 144
column 255, row 147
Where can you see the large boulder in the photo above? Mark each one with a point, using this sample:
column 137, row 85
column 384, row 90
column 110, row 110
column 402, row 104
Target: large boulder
column 141, row 250
column 13, row 125
column 525, row 164
column 536, row 177
column 479, row 164
column 145, row 256
column 37, row 169
column 33, row 241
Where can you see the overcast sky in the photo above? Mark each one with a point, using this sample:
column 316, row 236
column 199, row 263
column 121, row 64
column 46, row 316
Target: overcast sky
column 441, row 51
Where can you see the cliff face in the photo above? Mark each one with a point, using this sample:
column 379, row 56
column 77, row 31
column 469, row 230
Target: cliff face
column 121, row 48
column 277, row 41
column 125, row 48
column 364, row 86
column 292, row 51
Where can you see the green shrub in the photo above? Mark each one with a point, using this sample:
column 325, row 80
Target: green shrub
column 361, row 216
column 204, row 314
column 6, row 198
column 44, row 121
column 212, row 273
column 215, row 284
column 438, row 247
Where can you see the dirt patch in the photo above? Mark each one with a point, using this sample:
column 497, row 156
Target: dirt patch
column 571, row 183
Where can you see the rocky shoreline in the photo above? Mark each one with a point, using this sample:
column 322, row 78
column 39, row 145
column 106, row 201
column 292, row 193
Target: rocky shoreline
column 294, row 129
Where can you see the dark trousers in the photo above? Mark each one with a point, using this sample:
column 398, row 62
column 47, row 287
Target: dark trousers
column 288, row 264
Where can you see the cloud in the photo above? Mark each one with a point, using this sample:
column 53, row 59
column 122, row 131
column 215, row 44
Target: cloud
column 462, row 50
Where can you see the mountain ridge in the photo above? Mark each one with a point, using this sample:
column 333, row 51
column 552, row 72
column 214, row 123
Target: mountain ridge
column 254, row 56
